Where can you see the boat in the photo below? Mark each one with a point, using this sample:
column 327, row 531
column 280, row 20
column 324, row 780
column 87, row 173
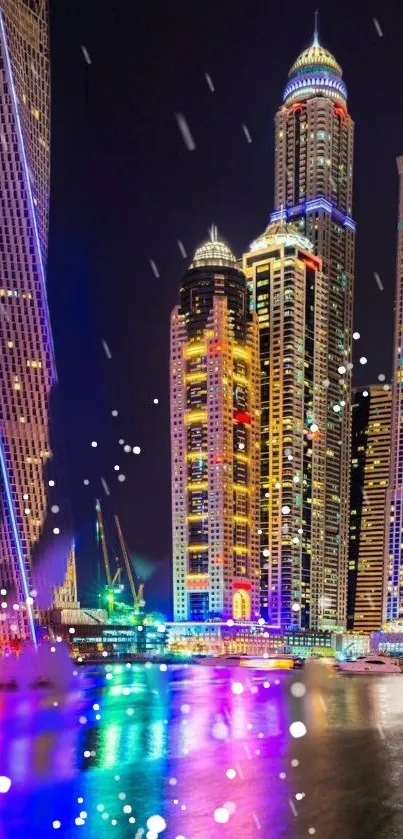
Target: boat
column 370, row 664
column 271, row 662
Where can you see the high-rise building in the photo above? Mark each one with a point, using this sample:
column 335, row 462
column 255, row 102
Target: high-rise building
column 393, row 605
column 215, row 427
column 370, row 464
column 290, row 298
column 27, row 358
column 313, row 188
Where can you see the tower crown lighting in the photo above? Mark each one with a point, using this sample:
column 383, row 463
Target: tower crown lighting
column 213, row 253
column 315, row 73
column 281, row 232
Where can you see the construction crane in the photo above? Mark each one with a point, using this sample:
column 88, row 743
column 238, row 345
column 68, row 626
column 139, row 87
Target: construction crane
column 138, row 596
column 114, row 585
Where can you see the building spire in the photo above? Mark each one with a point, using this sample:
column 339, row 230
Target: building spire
column 316, row 29
column 213, row 233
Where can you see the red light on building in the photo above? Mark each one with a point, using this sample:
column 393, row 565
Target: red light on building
column 341, row 112
column 311, row 264
column 217, row 458
column 195, row 583
column 243, row 417
column 242, row 585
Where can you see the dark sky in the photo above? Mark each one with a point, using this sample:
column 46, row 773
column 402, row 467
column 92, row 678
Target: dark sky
column 125, row 188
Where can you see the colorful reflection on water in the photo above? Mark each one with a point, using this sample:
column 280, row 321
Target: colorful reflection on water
column 135, row 742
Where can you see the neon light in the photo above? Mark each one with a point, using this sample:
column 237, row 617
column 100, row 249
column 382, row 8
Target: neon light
column 199, row 376
column 341, row 112
column 217, row 458
column 241, row 352
column 195, row 416
column 197, row 486
column 196, row 455
column 312, row 84
column 191, row 350
column 17, row 542
column 241, row 519
column 242, row 457
column 242, row 585
column 242, row 417
column 30, row 200
column 313, row 204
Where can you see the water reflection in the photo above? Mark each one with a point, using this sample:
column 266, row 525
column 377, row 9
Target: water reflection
column 143, row 742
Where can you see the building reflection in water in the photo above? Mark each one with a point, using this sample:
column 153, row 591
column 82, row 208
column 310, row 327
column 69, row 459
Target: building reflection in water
column 146, row 742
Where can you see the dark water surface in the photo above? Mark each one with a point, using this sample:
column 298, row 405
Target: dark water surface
column 163, row 742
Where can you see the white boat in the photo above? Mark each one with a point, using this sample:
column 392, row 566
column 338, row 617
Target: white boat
column 370, row 664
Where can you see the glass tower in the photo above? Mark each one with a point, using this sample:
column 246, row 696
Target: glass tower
column 289, row 295
column 393, row 607
column 313, row 188
column 27, row 357
column 370, row 464
column 215, row 430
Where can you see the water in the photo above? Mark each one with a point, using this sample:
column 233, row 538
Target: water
column 165, row 740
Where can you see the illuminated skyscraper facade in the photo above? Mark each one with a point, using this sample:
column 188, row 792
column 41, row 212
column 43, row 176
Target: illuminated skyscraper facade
column 393, row 606
column 215, row 427
column 370, row 465
column 27, row 358
column 313, row 187
column 290, row 298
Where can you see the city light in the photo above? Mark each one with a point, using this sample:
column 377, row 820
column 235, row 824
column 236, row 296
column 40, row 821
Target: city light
column 286, row 511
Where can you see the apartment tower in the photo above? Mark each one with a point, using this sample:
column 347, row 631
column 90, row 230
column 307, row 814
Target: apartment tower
column 289, row 296
column 393, row 604
column 313, row 189
column 370, row 466
column 27, row 358
column 215, row 439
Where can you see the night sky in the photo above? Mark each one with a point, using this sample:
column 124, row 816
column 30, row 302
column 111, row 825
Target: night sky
column 125, row 188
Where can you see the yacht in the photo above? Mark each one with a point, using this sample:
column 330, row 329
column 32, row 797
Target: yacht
column 370, row 664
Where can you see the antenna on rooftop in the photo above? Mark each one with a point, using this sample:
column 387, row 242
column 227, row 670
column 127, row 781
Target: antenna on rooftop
column 316, row 29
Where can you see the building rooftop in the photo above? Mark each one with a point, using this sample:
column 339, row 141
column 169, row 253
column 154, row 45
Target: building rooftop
column 213, row 253
column 317, row 59
column 279, row 233
column 315, row 73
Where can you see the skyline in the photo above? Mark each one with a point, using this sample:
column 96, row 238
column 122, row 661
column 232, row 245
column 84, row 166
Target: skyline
column 247, row 174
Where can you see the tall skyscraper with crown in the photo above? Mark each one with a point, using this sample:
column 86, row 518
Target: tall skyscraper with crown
column 215, row 430
column 313, row 189
column 290, row 297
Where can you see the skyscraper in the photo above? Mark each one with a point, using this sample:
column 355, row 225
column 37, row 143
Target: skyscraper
column 290, row 297
column 215, row 426
column 370, row 464
column 27, row 358
column 393, row 606
column 313, row 187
